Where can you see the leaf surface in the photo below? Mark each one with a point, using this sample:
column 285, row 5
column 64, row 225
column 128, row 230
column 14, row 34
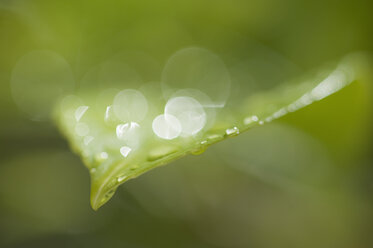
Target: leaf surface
column 118, row 149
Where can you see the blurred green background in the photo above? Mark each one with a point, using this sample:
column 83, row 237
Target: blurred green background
column 305, row 180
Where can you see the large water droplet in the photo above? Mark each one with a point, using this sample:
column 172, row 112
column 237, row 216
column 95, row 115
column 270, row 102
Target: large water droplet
column 201, row 149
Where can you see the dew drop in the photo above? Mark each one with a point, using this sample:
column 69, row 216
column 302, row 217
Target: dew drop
column 121, row 178
column 214, row 137
column 110, row 117
column 199, row 150
column 129, row 133
column 102, row 156
column 125, row 150
column 232, row 131
column 79, row 112
column 250, row 119
column 124, row 130
column 107, row 196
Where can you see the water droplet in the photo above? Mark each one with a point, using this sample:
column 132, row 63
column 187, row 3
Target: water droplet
column 214, row 137
column 130, row 134
column 134, row 167
column 102, row 156
column 121, row 178
column 125, row 150
column 261, row 122
column 124, row 130
column 79, row 112
column 166, row 128
column 232, row 131
column 198, row 151
column 110, row 117
column 107, row 196
column 250, row 119
column 201, row 149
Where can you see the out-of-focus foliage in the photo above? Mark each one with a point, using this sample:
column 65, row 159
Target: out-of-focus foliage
column 304, row 180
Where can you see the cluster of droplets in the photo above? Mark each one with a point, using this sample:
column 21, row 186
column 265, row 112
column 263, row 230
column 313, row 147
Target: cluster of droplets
column 336, row 80
column 195, row 83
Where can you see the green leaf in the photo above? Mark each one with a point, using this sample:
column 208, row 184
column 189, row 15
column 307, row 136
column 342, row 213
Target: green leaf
column 117, row 150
